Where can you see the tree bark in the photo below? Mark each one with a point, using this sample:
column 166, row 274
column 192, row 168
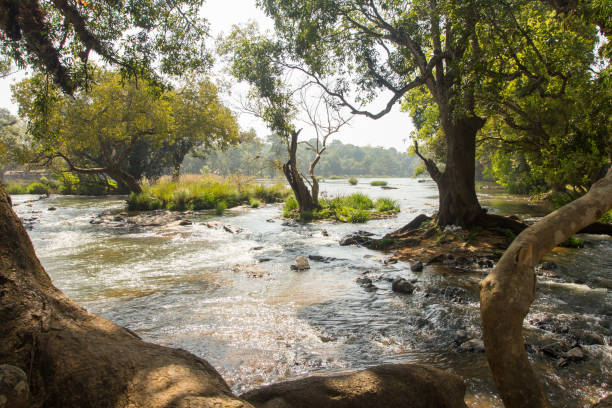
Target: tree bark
column 457, row 185
column 508, row 291
column 296, row 182
column 127, row 179
column 77, row 359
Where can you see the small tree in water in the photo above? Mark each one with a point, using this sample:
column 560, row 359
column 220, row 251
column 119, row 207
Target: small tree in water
column 255, row 59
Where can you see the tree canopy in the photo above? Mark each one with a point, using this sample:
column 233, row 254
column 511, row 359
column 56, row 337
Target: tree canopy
column 141, row 38
column 99, row 130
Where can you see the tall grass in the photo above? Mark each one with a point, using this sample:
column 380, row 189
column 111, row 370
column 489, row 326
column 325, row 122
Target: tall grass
column 386, row 205
column 378, row 183
column 196, row 192
column 353, row 181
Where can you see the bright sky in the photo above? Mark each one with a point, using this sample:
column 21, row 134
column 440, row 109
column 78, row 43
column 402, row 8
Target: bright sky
column 391, row 130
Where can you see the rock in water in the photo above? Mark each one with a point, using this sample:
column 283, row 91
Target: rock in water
column 358, row 238
column 385, row 386
column 401, row 285
column 472, row 346
column 300, row 264
column 416, row 266
column 14, row 388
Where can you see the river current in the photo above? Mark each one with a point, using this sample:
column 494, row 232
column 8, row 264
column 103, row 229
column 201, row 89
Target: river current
column 178, row 287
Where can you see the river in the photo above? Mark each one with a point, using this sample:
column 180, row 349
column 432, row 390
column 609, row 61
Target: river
column 176, row 287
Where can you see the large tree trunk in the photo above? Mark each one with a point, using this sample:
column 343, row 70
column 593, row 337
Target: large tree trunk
column 295, row 180
column 457, row 184
column 508, row 291
column 77, row 359
column 126, row 178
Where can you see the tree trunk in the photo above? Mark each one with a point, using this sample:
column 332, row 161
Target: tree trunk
column 176, row 173
column 457, row 185
column 296, row 182
column 508, row 291
column 126, row 178
column 77, row 359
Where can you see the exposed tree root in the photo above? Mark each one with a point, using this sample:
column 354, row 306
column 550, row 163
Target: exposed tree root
column 77, row 359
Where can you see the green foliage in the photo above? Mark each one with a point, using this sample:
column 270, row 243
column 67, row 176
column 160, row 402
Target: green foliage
column 353, row 181
column 140, row 37
column 220, row 207
column 204, row 193
column 509, row 234
column 386, row 205
column 148, row 130
column 572, row 242
column 358, row 201
column 354, row 208
column 15, row 189
column 420, row 170
column 290, row 207
column 37, row 188
column 357, row 216
column 606, row 218
column 254, row 203
column 378, row 183
column 253, row 157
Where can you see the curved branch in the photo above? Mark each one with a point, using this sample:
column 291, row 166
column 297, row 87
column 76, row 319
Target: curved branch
column 508, row 291
column 432, row 168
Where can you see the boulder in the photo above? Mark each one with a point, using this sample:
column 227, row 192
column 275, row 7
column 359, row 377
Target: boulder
column 300, row 264
column 390, row 261
column 401, row 285
column 320, row 258
column 385, row 386
column 232, row 229
column 414, row 224
column 416, row 266
column 472, row 346
column 366, row 283
column 14, row 388
column 357, row 238
column 547, row 266
column 251, row 270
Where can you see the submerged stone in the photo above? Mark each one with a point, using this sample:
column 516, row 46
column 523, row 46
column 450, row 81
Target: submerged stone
column 401, row 285
column 300, row 264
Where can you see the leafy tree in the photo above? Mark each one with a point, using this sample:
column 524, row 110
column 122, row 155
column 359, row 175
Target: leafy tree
column 398, row 47
column 11, row 140
column 141, row 38
column 254, row 59
column 201, row 122
column 544, row 131
column 124, row 130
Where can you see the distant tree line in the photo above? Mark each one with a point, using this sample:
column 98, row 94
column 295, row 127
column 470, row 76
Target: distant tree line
column 258, row 158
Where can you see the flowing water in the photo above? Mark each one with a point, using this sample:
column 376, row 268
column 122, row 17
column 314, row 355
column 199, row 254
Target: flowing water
column 177, row 287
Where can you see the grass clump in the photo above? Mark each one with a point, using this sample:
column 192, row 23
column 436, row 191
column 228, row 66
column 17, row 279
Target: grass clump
column 572, row 242
column 208, row 192
column 354, row 208
column 353, row 181
column 378, row 183
column 386, row 205
column 15, row 189
column 606, row 218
